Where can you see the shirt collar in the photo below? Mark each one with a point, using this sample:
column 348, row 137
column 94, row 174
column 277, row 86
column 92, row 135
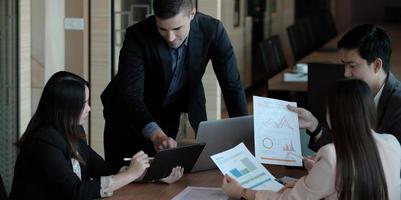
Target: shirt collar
column 378, row 95
column 185, row 41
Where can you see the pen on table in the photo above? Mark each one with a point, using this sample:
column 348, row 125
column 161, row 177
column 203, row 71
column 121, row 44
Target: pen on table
column 129, row 159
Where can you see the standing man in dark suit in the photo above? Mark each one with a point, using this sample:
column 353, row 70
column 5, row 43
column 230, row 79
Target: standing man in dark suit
column 365, row 52
column 161, row 65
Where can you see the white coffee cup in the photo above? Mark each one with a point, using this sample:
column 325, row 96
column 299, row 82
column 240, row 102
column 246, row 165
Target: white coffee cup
column 302, row 68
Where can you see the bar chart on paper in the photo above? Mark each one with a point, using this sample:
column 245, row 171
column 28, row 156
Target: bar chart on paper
column 240, row 164
column 277, row 138
column 248, row 167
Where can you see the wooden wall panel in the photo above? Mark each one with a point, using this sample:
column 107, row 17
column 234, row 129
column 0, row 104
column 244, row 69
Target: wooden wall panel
column 100, row 67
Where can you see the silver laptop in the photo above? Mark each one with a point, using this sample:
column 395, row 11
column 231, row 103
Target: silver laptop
column 221, row 135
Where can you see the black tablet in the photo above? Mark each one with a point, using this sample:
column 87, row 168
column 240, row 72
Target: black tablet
column 165, row 160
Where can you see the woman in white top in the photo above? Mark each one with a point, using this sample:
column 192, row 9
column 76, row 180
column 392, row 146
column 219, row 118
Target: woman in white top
column 359, row 164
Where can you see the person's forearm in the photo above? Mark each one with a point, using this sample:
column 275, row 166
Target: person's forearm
column 122, row 179
column 250, row 194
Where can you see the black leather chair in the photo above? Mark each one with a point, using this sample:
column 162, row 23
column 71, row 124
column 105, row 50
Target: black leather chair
column 297, row 41
column 271, row 56
column 302, row 38
column 323, row 26
column 321, row 77
column 3, row 193
column 271, row 59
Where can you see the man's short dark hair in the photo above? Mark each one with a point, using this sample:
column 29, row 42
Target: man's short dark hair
column 166, row 9
column 371, row 41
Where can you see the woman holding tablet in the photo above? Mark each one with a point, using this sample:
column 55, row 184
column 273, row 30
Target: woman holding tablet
column 55, row 162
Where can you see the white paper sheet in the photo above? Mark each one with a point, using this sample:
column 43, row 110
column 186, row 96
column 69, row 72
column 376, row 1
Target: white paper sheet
column 241, row 165
column 201, row 193
column 295, row 77
column 277, row 138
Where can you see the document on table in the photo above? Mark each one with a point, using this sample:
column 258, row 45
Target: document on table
column 295, row 77
column 277, row 137
column 201, row 193
column 241, row 165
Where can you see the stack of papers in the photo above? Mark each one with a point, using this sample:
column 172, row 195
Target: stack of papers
column 295, row 77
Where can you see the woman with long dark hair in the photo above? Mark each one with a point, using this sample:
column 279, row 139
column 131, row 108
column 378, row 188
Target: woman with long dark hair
column 359, row 164
column 55, row 161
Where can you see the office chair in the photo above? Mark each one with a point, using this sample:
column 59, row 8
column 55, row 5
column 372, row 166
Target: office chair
column 3, row 193
column 302, row 38
column 323, row 26
column 271, row 56
column 273, row 61
column 321, row 77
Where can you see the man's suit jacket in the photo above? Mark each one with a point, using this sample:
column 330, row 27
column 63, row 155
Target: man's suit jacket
column 44, row 171
column 135, row 95
column 388, row 114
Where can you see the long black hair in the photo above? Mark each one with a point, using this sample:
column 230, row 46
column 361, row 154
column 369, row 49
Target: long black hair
column 352, row 114
column 60, row 107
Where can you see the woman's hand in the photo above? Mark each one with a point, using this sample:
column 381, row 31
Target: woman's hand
column 138, row 165
column 174, row 176
column 231, row 187
column 305, row 117
column 287, row 186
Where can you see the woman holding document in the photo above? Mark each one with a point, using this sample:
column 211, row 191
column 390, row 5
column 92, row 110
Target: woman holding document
column 54, row 160
column 359, row 164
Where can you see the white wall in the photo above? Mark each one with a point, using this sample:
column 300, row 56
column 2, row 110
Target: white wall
column 54, row 34
column 47, row 18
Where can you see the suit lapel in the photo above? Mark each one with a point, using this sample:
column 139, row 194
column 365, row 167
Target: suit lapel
column 387, row 90
column 194, row 51
column 166, row 64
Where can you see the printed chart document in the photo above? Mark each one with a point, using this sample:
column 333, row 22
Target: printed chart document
column 201, row 193
column 277, row 138
column 240, row 164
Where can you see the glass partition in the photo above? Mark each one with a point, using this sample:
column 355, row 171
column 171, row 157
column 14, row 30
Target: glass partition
column 8, row 89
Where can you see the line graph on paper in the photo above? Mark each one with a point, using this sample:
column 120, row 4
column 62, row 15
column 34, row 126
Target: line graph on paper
column 281, row 123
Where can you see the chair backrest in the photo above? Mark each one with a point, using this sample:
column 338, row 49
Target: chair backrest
column 321, row 77
column 3, row 193
column 323, row 26
column 272, row 57
column 302, row 39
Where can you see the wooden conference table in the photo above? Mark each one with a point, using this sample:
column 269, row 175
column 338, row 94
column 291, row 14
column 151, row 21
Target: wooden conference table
column 393, row 30
column 210, row 178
